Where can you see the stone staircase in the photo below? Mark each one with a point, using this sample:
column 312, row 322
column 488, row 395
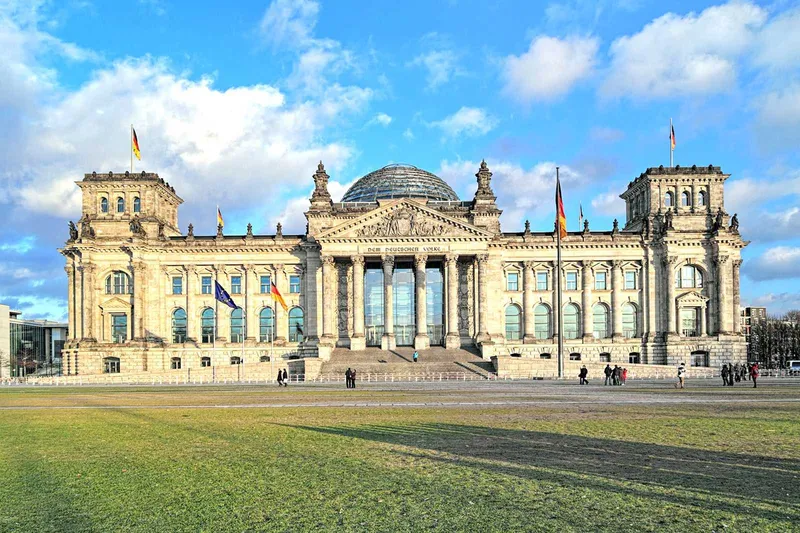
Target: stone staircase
column 436, row 361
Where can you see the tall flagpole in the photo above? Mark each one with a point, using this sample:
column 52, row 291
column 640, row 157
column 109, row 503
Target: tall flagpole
column 558, row 293
column 131, row 148
column 670, row 143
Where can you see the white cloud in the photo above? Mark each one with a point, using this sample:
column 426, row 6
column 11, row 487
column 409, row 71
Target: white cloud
column 550, row 68
column 408, row 134
column 292, row 217
column 776, row 304
column 780, row 262
column 289, row 22
column 520, row 192
column 678, row 55
column 467, row 122
column 608, row 204
column 381, row 118
column 778, row 45
column 442, row 66
column 746, row 195
column 780, row 108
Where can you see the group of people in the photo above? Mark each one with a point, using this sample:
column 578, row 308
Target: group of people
column 350, row 378
column 739, row 372
column 616, row 375
column 283, row 378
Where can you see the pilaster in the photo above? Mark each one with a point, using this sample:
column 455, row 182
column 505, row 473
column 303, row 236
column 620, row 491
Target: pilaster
column 616, row 299
column 250, row 291
column 358, row 341
column 281, row 316
column 483, row 302
column 388, row 340
column 453, row 339
column 421, row 339
column 89, row 298
column 586, row 301
column 671, row 311
column 725, row 315
column 528, row 284
column 192, row 315
column 328, row 298
column 139, row 303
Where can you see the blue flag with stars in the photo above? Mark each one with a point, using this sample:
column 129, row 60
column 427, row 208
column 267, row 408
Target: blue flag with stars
column 223, row 296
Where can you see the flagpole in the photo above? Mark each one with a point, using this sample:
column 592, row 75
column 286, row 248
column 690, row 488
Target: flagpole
column 670, row 143
column 131, row 148
column 558, row 295
column 271, row 345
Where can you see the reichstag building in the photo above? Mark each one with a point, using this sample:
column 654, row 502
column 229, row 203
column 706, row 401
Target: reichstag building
column 402, row 261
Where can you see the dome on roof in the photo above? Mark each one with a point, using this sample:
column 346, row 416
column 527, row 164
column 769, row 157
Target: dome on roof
column 399, row 181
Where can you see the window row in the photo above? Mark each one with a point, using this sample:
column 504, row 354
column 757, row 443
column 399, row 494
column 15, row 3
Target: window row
column 686, row 199
column 120, row 202
column 238, row 326
column 207, row 284
column 633, row 357
column 601, row 281
column 112, row 365
column 571, row 321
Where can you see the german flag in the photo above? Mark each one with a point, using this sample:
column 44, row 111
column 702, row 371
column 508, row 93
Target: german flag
column 561, row 219
column 135, row 144
column 671, row 136
column 220, row 222
column 276, row 295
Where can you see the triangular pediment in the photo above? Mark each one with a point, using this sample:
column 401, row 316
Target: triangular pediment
column 692, row 298
column 115, row 304
column 403, row 218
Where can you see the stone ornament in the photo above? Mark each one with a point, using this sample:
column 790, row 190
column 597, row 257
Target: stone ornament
column 420, row 261
column 357, row 260
column 734, row 227
column 321, row 178
column 484, row 180
column 279, row 231
column 73, row 231
column 405, row 222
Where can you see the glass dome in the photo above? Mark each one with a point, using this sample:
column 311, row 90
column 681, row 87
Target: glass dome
column 399, row 181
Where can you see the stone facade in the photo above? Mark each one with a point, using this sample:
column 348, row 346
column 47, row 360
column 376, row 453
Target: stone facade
column 661, row 290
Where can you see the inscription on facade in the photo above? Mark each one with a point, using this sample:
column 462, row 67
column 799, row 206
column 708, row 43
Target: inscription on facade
column 403, row 249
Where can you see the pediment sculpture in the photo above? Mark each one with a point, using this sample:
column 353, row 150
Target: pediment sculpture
column 406, row 222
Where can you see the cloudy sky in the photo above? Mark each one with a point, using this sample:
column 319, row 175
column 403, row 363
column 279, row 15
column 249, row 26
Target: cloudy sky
column 236, row 105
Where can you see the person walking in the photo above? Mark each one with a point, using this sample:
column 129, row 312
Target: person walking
column 607, row 371
column 347, row 377
column 681, row 376
column 730, row 374
column 724, row 374
column 754, row 373
column 615, row 375
column 353, row 379
column 624, row 375
column 582, row 375
column 280, row 377
column 285, row 378
column 415, row 356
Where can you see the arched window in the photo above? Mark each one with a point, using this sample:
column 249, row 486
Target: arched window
column 669, row 200
column 104, row 205
column 685, row 199
column 266, row 323
column 118, row 282
column 541, row 321
column 513, row 323
column 179, row 326
column 629, row 321
column 237, row 325
column 207, row 325
column 689, row 277
column 701, row 198
column 137, row 205
column 296, row 325
column 571, row 321
column 120, row 205
column 600, row 321
column 175, row 363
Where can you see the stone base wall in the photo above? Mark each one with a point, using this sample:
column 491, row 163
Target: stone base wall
column 508, row 367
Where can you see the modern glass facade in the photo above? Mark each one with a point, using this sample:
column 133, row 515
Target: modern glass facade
column 434, row 302
column 404, row 308
column 36, row 347
column 373, row 304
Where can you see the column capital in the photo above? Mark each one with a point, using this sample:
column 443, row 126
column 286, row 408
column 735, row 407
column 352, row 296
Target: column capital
column 451, row 259
column 326, row 260
column 420, row 261
column 587, row 265
column 190, row 269
column 357, row 259
column 87, row 268
column 721, row 259
column 68, row 269
column 616, row 264
column 387, row 261
column 248, row 268
column 280, row 267
column 737, row 263
column 139, row 266
column 528, row 265
column 482, row 259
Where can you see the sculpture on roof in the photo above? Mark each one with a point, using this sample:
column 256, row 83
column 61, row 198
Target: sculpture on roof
column 668, row 220
column 484, row 176
column 321, row 194
column 73, row 231
column 249, row 229
column 279, row 231
column 136, row 227
column 734, row 227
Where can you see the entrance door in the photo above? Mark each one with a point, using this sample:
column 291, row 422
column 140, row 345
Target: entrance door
column 404, row 335
column 404, row 311
column 373, row 304
column 434, row 298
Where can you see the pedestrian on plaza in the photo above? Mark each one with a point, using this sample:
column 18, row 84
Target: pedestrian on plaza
column 745, row 372
column 681, row 376
column 615, row 375
column 280, row 377
column 754, row 373
column 285, row 378
column 347, row 377
column 582, row 374
column 607, row 371
column 724, row 374
column 737, row 373
column 624, row 375
column 415, row 356
column 353, row 379
column 730, row 374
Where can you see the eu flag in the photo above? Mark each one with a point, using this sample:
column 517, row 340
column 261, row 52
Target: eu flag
column 223, row 296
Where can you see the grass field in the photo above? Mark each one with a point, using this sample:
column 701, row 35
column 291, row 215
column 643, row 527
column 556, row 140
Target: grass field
column 599, row 459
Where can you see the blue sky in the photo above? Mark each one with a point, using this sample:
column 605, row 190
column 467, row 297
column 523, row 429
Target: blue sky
column 235, row 105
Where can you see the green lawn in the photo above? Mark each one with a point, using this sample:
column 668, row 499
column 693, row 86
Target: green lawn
column 589, row 466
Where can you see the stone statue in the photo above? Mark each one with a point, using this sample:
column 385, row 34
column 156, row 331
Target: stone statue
column 735, row 223
column 586, row 225
column 191, row 231
column 219, row 230
column 615, row 228
column 73, row 231
column 279, row 232
column 668, row 220
column 87, row 231
column 720, row 221
column 161, row 234
column 249, row 230
column 136, row 227
column 527, row 227
column 484, row 176
column 646, row 226
column 320, row 193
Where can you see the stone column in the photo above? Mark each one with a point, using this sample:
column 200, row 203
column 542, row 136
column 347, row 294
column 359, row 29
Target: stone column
column 358, row 341
column 703, row 325
column 694, row 197
column 421, row 339
column 70, row 270
column 221, row 311
column 483, row 303
column 281, row 316
column 328, row 298
column 669, row 279
column 388, row 341
column 586, row 300
column 250, row 291
column 554, row 279
column 616, row 299
column 139, row 305
column 737, row 324
column 89, row 307
column 528, row 285
column 192, row 316
column 723, row 295
column 453, row 339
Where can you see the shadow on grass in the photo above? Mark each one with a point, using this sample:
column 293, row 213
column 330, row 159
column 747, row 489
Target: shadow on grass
column 736, row 483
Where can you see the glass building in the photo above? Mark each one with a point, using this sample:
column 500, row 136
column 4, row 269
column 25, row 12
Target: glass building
column 33, row 347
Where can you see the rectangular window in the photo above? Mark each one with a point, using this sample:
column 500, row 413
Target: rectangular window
column 605, row 357
column 177, row 285
column 689, row 326
column 600, row 281
column 572, row 281
column 205, row 284
column 634, row 358
column 630, row 280
column 512, row 281
column 119, row 328
column 294, row 284
column 236, row 284
column 541, row 281
column 265, row 284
